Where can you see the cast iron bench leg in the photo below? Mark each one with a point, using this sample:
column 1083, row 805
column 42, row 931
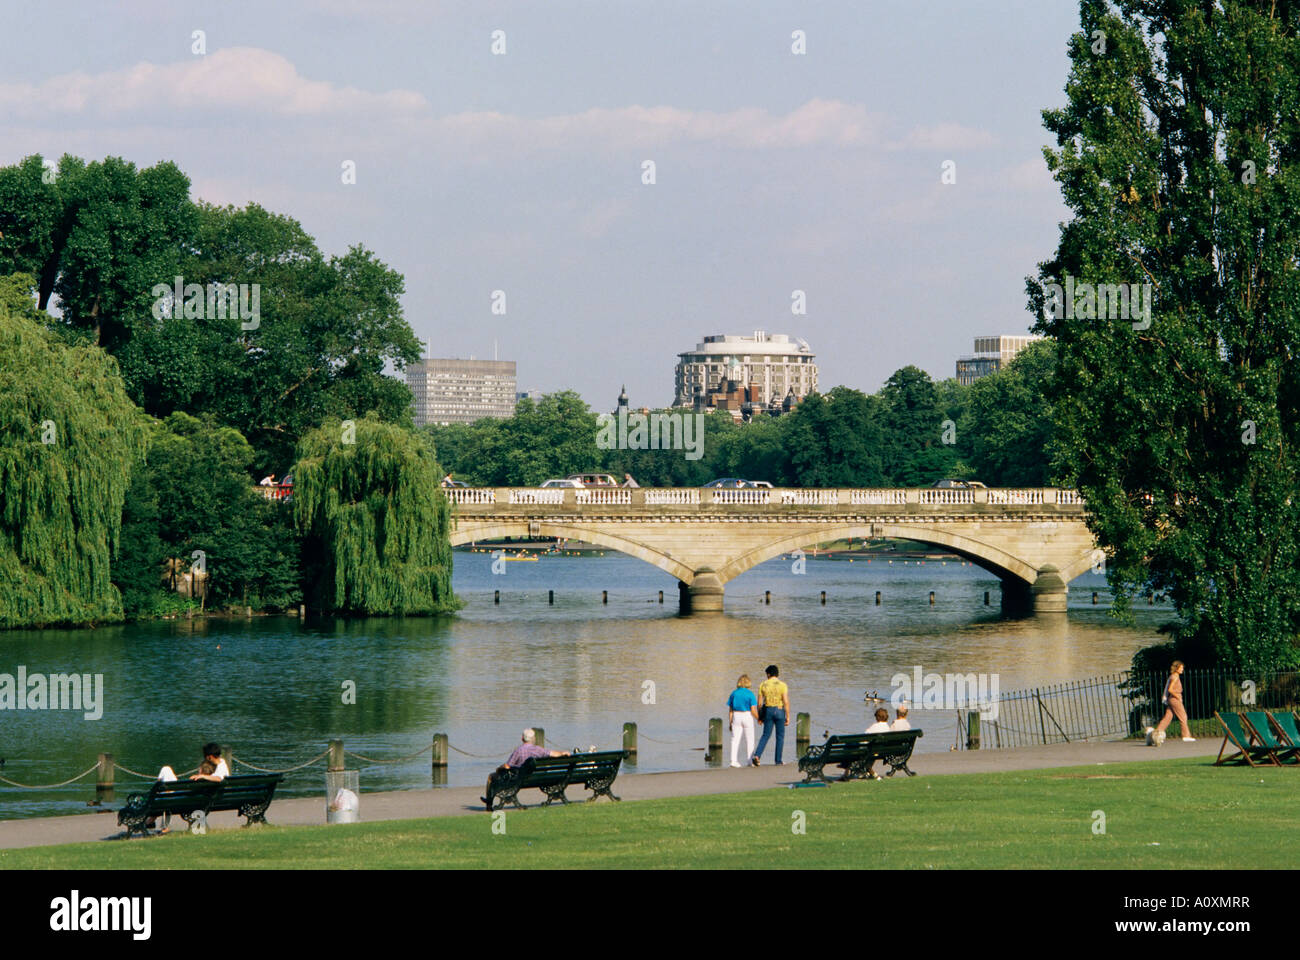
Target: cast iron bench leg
column 601, row 788
column 555, row 792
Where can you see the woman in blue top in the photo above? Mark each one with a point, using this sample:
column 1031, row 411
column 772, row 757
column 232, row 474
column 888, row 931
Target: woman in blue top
column 742, row 711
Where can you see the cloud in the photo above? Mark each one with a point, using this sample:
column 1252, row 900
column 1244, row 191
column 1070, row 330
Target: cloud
column 245, row 79
column 945, row 136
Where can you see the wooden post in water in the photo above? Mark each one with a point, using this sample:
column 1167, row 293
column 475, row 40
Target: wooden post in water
column 604, row 596
column 440, row 751
column 877, row 598
column 661, row 596
column 802, row 724
column 973, row 730
column 767, row 596
column 1094, row 598
column 226, row 756
column 540, row 739
column 629, row 738
column 932, row 598
column 986, row 598
column 823, row 598
column 104, row 779
column 715, row 738
column 335, row 761
column 496, row 596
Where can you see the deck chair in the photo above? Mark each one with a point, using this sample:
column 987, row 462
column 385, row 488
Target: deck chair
column 1235, row 733
column 1284, row 722
column 1258, row 722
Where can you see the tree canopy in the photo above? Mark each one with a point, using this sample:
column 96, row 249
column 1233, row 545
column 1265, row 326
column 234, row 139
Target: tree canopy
column 69, row 438
column 1178, row 150
column 374, row 519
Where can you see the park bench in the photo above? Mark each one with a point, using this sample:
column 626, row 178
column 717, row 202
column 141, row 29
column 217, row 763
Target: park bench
column 193, row 800
column 859, row 751
column 595, row 771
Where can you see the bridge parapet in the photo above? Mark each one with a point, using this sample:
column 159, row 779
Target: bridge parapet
column 779, row 501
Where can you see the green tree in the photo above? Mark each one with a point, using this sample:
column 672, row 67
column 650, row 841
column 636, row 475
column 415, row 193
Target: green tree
column 69, row 436
column 375, row 521
column 914, row 454
column 1178, row 151
column 1007, row 427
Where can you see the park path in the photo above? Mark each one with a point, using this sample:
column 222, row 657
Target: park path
column 461, row 801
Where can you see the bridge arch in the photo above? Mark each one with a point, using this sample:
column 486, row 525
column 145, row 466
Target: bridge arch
column 589, row 534
column 986, row 555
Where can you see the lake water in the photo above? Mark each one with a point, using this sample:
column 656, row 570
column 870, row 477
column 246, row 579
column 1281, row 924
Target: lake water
column 273, row 689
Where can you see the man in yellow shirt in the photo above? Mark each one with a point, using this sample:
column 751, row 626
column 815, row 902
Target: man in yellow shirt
column 774, row 704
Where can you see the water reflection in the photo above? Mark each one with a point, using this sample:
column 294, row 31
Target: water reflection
column 274, row 688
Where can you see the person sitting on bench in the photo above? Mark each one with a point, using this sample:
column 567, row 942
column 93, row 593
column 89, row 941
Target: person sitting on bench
column 212, row 768
column 880, row 726
column 524, row 752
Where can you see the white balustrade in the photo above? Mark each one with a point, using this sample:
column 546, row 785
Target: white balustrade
column 821, row 498
column 1001, row 496
column 672, row 496
column 741, row 496
column 603, row 495
column 877, row 497
column 947, row 495
column 470, row 495
column 1070, row 497
column 549, row 496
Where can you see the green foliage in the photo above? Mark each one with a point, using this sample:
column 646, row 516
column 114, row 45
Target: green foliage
column 1007, row 427
column 61, row 500
column 1179, row 153
column 914, row 453
column 194, row 495
column 375, row 521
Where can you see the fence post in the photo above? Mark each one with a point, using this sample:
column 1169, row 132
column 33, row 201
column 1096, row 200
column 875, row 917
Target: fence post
column 540, row 738
column 439, row 750
column 104, row 779
column 226, row 756
column 335, row 761
column 802, row 723
column 715, row 736
column 972, row 730
column 629, row 738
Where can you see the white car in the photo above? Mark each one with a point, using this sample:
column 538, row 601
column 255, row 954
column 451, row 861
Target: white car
column 565, row 484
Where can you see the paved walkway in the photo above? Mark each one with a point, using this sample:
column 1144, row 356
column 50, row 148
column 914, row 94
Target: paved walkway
column 460, row 801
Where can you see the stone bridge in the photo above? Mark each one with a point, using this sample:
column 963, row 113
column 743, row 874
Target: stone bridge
column 1035, row 540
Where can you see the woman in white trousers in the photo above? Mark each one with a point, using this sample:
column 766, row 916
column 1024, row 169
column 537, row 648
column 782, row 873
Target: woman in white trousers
column 742, row 711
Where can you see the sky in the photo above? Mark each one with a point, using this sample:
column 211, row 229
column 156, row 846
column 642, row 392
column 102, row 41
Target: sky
column 523, row 170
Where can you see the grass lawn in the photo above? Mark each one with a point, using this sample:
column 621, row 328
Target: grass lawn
column 1158, row 815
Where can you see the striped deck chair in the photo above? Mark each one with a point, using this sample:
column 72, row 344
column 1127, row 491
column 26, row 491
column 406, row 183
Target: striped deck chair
column 1258, row 721
column 1234, row 732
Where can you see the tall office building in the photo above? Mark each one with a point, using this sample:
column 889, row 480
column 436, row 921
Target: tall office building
column 991, row 355
column 461, row 391
column 768, row 367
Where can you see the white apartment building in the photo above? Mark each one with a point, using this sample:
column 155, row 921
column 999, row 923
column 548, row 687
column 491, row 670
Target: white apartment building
column 774, row 363
column 461, row 391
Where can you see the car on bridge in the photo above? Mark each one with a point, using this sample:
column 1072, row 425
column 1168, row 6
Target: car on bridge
column 594, row 479
column 567, row 484
column 728, row 483
column 949, row 484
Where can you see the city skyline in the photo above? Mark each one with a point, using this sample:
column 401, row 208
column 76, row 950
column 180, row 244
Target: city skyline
column 778, row 174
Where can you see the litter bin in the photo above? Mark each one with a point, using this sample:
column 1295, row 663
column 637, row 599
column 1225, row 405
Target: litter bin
column 342, row 796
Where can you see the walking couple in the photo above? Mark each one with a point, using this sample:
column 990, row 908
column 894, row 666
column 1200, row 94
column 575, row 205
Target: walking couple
column 771, row 707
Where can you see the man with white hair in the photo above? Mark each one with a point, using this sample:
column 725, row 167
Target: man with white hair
column 900, row 720
column 526, row 750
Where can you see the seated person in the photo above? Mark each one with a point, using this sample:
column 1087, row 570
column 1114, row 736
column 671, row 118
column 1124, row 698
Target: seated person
column 880, row 726
column 212, row 768
column 902, row 722
column 527, row 749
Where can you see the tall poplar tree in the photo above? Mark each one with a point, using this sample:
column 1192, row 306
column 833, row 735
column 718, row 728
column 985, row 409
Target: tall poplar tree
column 1178, row 150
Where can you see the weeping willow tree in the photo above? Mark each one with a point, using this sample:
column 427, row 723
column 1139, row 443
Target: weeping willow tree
column 374, row 519
column 69, row 437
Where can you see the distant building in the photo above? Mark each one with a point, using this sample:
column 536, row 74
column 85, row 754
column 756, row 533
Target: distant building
column 991, row 355
column 533, row 395
column 762, row 373
column 461, row 391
